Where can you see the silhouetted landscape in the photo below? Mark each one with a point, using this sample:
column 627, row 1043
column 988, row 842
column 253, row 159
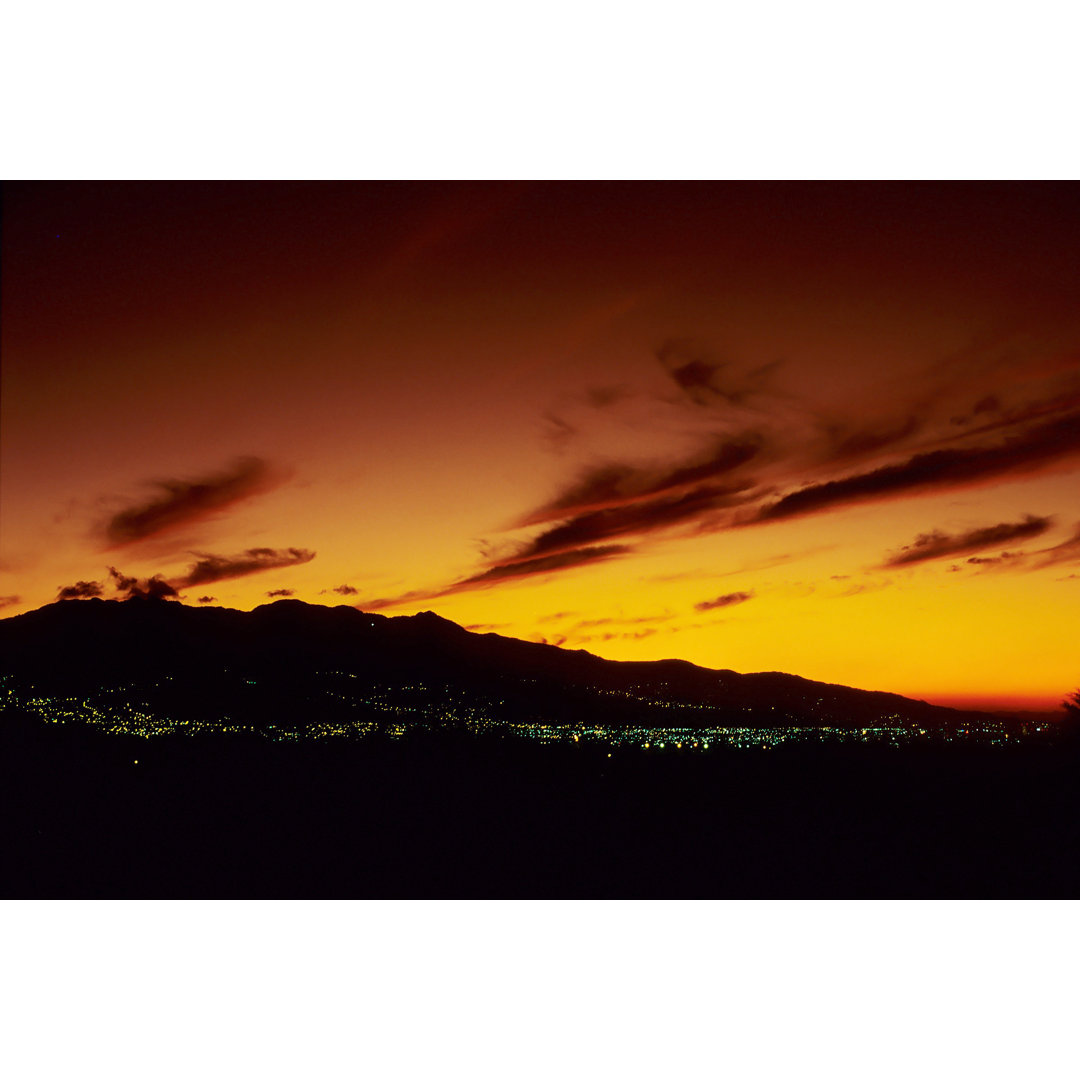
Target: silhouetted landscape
column 153, row 749
column 300, row 669
column 605, row 543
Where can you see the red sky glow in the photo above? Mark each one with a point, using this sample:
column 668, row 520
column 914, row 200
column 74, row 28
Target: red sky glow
column 824, row 428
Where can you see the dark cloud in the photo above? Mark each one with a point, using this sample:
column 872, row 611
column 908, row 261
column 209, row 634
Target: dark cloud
column 508, row 570
column 345, row 590
column 486, row 628
column 558, row 640
column 280, row 592
column 602, row 486
column 612, row 502
column 940, row 545
column 706, row 380
column 413, row 595
column 186, row 501
column 131, row 588
column 1065, row 553
column 613, row 485
column 625, row 635
column 1068, row 551
column 997, row 380
column 253, row 561
column 1040, row 408
column 692, row 374
column 630, row 519
column 909, row 450
column 7, row 601
column 155, row 588
column 1038, row 446
column 734, row 479
column 207, row 599
column 1005, row 558
column 724, row 601
column 563, row 560
column 81, row 590
column 122, row 583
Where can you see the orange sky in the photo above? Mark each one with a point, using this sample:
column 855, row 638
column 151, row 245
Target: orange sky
column 831, row 429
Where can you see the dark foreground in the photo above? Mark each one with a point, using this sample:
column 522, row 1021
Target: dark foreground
column 460, row 817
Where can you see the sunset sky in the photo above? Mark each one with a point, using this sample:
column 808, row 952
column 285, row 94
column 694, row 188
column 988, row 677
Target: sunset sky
column 829, row 429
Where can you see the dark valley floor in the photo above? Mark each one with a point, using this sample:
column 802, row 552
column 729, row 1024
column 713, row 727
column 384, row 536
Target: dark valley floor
column 453, row 816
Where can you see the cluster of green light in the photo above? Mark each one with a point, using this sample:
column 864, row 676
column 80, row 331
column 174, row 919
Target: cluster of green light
column 658, row 737
column 126, row 710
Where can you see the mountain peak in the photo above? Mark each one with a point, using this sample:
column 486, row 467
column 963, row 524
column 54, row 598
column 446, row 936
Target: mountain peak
column 296, row 644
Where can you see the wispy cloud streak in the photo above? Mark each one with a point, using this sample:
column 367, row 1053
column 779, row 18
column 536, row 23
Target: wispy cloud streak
column 183, row 502
column 940, row 545
column 210, row 568
column 727, row 600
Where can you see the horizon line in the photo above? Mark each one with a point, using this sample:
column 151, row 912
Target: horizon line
column 988, row 702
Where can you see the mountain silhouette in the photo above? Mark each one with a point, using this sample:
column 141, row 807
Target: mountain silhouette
column 295, row 663
column 422, row 807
